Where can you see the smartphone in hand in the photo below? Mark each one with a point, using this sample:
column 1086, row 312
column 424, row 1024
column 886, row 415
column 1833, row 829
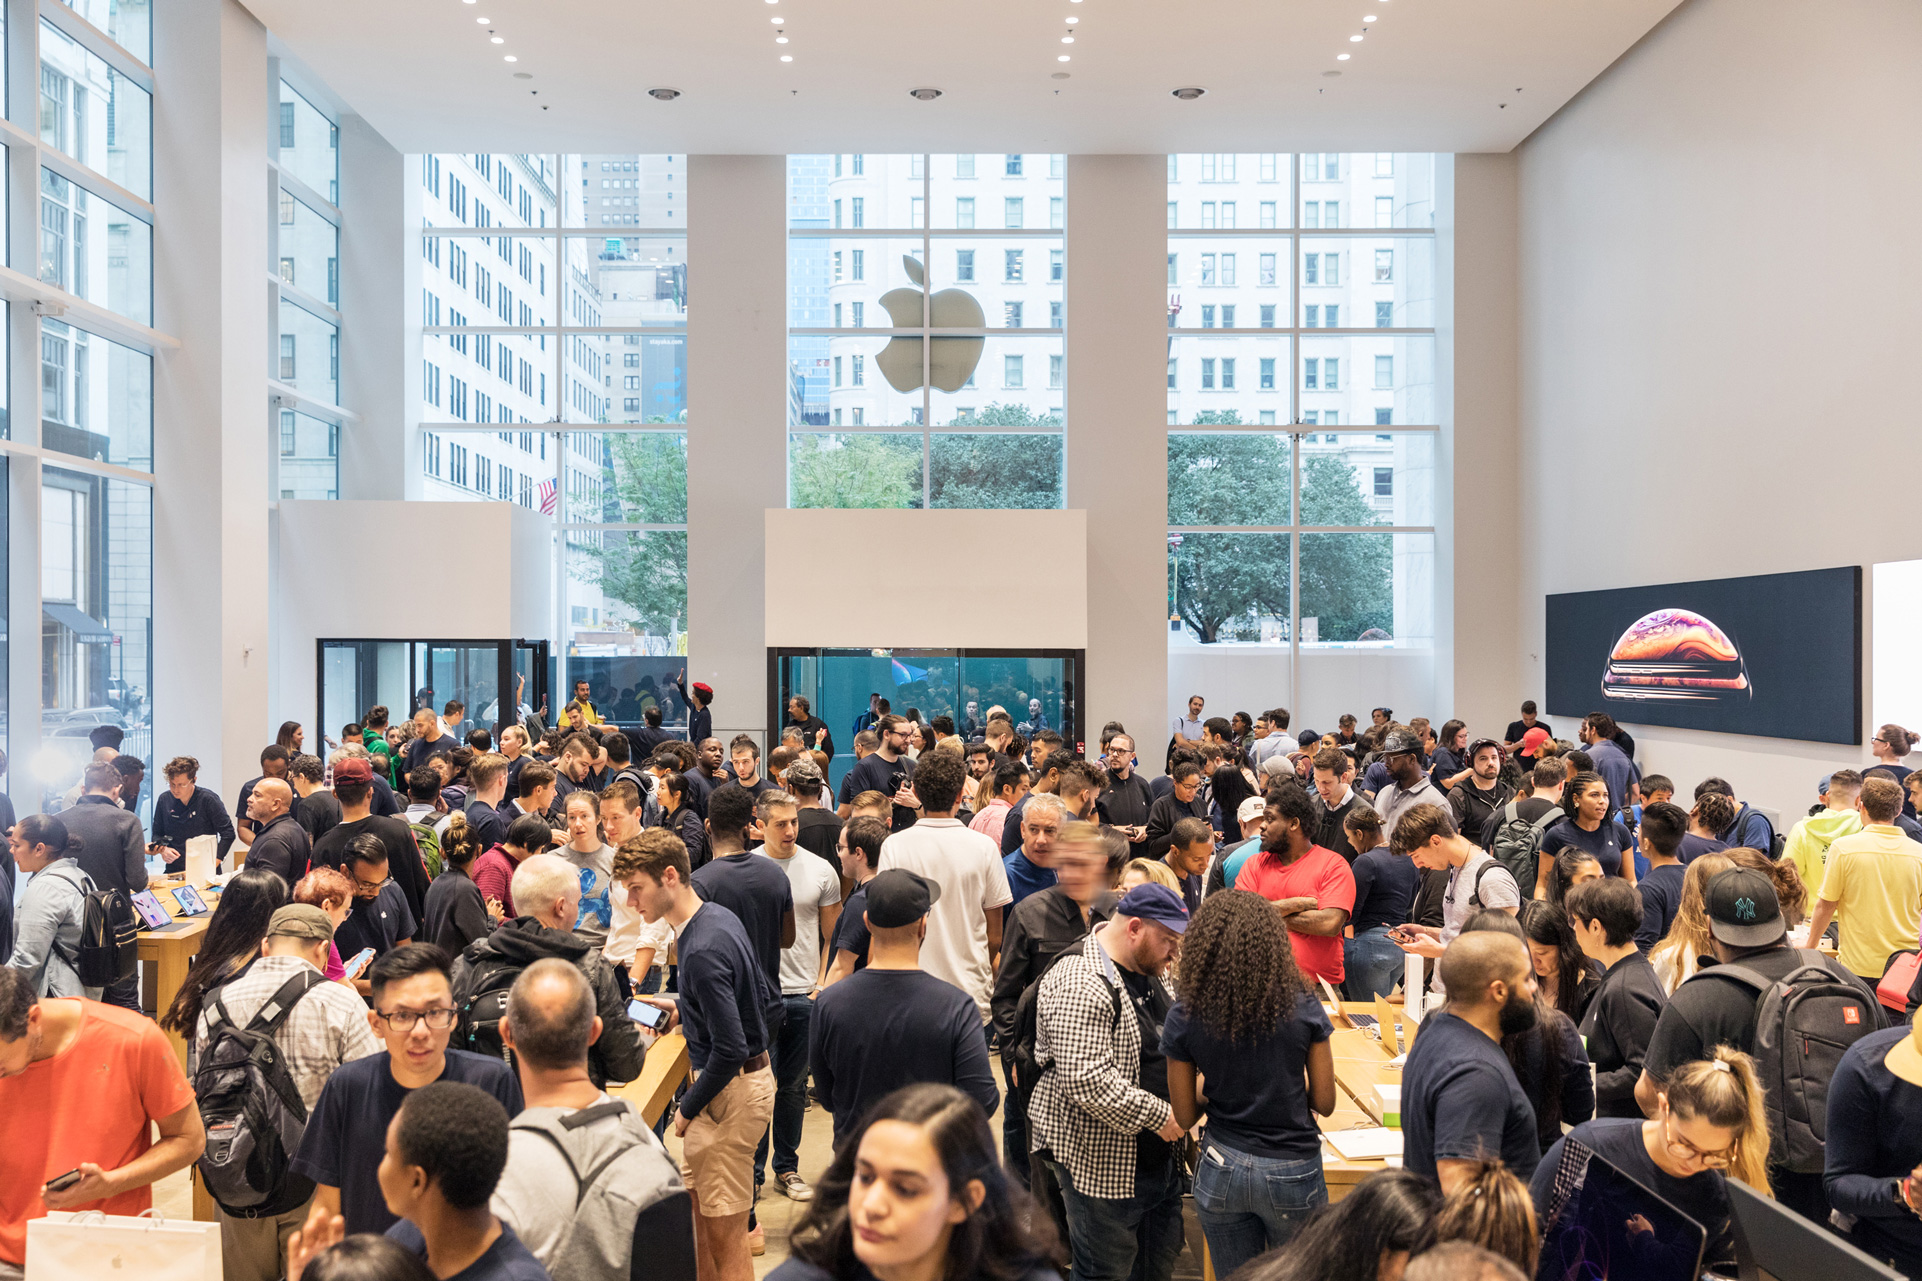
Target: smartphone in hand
column 358, row 965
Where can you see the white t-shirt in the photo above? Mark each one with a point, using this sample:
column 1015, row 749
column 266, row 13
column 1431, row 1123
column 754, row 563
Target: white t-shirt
column 1498, row 890
column 968, row 868
column 816, row 885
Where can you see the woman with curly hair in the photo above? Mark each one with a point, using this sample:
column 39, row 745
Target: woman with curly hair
column 1246, row 1022
column 918, row 1190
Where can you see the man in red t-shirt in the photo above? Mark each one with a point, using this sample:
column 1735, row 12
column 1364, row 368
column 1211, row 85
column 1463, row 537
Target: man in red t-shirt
column 1309, row 884
column 79, row 1084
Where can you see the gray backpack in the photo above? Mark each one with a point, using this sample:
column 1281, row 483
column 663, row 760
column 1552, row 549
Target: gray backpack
column 632, row 1216
column 1518, row 841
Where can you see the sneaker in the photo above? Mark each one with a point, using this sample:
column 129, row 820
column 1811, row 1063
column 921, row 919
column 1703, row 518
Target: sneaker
column 794, row 1187
column 757, row 1241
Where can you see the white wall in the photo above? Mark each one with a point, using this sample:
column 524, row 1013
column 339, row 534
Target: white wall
column 1718, row 326
column 922, row 609
column 1252, row 679
column 339, row 577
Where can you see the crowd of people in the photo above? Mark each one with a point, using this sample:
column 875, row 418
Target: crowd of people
column 446, row 948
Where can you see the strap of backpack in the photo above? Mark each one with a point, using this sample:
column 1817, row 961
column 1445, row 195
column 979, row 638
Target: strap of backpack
column 86, row 887
column 1541, row 824
column 583, row 1183
column 1740, row 973
column 270, row 1016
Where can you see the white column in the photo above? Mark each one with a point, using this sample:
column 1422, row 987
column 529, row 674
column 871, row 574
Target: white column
column 736, row 408
column 1478, row 543
column 380, row 339
column 1117, row 459
column 211, row 419
column 23, row 401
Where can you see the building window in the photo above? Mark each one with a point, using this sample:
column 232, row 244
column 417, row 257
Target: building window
column 1174, row 277
column 1208, row 316
column 1267, row 270
column 1208, row 215
column 1267, row 315
column 964, row 166
column 1054, row 315
column 1384, row 164
column 1267, row 373
column 1055, row 263
column 1054, row 213
column 1207, row 269
column 1384, row 417
column 964, row 212
column 857, row 260
column 858, row 370
column 1171, row 370
column 1384, row 266
column 287, row 365
column 1054, row 372
column 1384, row 211
column 1011, row 265
column 1267, row 213
column 1384, row 315
column 1011, row 315
column 1267, row 168
column 964, row 264
column 1227, row 269
column 860, row 219
column 1384, row 482
column 1207, row 373
column 1013, row 167
column 1011, row 372
column 1171, row 213
column 1228, row 374
column 1011, row 212
column 1311, row 317
column 1384, row 373
column 1331, row 316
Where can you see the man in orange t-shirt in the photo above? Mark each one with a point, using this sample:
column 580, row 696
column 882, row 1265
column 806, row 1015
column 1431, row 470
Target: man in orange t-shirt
column 1310, row 885
column 79, row 1083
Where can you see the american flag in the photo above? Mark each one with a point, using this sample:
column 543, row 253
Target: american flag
column 548, row 498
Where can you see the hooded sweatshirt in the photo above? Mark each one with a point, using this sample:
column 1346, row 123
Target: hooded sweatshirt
column 1808, row 846
column 517, row 944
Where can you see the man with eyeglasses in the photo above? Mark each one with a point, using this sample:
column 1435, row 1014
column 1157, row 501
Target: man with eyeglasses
column 379, row 916
column 1124, row 803
column 413, row 1013
column 888, row 771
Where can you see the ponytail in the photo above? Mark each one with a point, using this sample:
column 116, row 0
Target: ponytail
column 45, row 829
column 1495, row 1211
column 1726, row 1091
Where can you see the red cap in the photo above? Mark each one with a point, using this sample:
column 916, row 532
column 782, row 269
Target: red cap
column 1533, row 739
column 353, row 770
column 705, row 691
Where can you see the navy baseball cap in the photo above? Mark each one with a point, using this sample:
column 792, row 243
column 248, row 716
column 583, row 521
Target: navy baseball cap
column 1155, row 903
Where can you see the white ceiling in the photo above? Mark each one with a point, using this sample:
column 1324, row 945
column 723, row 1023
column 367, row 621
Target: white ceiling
column 1431, row 75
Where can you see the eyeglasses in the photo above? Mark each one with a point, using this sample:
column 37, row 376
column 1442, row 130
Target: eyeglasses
column 375, row 886
column 403, row 1020
column 1681, row 1147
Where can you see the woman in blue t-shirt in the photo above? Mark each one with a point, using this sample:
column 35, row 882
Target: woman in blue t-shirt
column 1588, row 828
column 1246, row 1022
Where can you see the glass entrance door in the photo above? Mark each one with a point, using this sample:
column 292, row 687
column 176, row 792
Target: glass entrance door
column 404, row 676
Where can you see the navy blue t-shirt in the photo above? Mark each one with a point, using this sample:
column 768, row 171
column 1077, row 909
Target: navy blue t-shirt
column 851, row 930
column 1605, row 844
column 1460, row 1101
column 755, row 889
column 380, row 922
column 505, row 1260
column 1693, row 847
column 1385, row 887
column 1661, row 896
column 1702, row 1197
column 347, row 1133
column 1257, row 1094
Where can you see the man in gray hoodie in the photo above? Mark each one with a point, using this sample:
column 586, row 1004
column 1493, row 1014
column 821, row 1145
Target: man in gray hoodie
column 585, row 1177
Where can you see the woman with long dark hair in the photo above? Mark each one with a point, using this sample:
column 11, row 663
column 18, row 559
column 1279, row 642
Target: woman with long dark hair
column 918, row 1193
column 1231, row 788
column 232, row 942
column 291, row 736
column 1566, row 976
column 1368, row 1235
column 1246, row 1025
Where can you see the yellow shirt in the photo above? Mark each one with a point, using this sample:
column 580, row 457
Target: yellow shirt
column 588, row 715
column 1875, row 878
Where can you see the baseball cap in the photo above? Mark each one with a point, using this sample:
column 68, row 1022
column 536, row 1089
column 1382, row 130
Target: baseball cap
column 1476, row 746
column 1399, row 743
column 300, row 921
column 353, row 770
column 1252, row 807
column 1533, row 739
column 899, row 897
column 804, row 773
column 1149, row 902
column 1307, row 738
column 1743, row 910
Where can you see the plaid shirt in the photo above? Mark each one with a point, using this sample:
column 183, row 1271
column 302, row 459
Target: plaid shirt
column 327, row 1028
column 1088, row 1110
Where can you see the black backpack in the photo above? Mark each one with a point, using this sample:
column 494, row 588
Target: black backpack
column 1803, row 1026
column 109, row 935
column 248, row 1101
column 1516, row 844
column 1018, row 1056
column 482, row 1002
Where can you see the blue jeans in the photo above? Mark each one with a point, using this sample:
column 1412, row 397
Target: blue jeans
column 1136, row 1238
column 1249, row 1205
column 1372, row 964
column 790, row 1060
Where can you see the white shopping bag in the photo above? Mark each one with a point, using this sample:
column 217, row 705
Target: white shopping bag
column 202, row 860
column 90, row 1246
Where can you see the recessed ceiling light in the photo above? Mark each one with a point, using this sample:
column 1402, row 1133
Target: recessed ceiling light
column 662, row 94
column 497, row 39
column 1187, row 93
column 1062, row 58
column 1341, row 57
column 485, row 22
column 510, row 58
column 1354, row 39
column 780, row 40
column 777, row 18
column 1067, row 39
column 924, row 94
column 1072, row 21
column 787, row 57
column 1370, row 18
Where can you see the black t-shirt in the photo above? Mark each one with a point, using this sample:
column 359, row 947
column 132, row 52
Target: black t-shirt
column 403, row 856
column 755, row 889
column 851, row 929
column 872, row 774
column 1661, row 897
column 1151, row 1001
column 1385, row 888
column 1605, row 844
column 380, row 922
column 318, row 812
column 819, row 830
column 1693, row 847
column 1528, row 809
column 419, row 751
column 1702, row 1197
column 1460, row 1101
column 1125, row 802
column 1257, row 1094
column 877, row 1031
column 508, row 1259
column 347, row 1133
column 1708, row 1011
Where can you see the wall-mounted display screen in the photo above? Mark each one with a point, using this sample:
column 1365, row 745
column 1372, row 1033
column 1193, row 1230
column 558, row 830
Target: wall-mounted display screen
column 1775, row 655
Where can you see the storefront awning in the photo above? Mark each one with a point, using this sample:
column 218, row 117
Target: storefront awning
column 85, row 630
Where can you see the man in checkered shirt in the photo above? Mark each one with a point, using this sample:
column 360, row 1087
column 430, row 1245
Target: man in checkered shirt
column 1099, row 1116
column 328, row 1027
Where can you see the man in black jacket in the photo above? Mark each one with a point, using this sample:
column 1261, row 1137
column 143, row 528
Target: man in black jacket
column 1039, row 928
column 1183, row 801
column 547, row 890
column 1621, row 1017
column 1482, row 792
column 1334, row 798
column 113, row 852
column 1125, row 802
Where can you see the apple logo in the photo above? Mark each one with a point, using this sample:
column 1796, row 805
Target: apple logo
column 951, row 361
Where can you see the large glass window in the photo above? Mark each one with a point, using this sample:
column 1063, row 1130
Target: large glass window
column 1301, row 400
column 305, row 416
column 944, row 311
column 93, row 114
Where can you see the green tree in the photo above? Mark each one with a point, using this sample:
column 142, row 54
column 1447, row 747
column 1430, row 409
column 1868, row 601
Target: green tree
column 1347, row 580
column 645, row 573
column 860, row 469
column 1227, row 478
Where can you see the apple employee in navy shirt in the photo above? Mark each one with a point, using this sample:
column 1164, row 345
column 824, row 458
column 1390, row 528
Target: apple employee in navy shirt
column 1460, row 1101
column 1874, row 1145
column 346, row 1138
column 727, row 1006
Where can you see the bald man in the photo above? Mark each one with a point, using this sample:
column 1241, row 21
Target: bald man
column 281, row 845
column 1460, row 1101
column 549, row 1026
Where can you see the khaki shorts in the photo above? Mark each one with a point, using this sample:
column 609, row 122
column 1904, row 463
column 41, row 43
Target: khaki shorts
column 717, row 1152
